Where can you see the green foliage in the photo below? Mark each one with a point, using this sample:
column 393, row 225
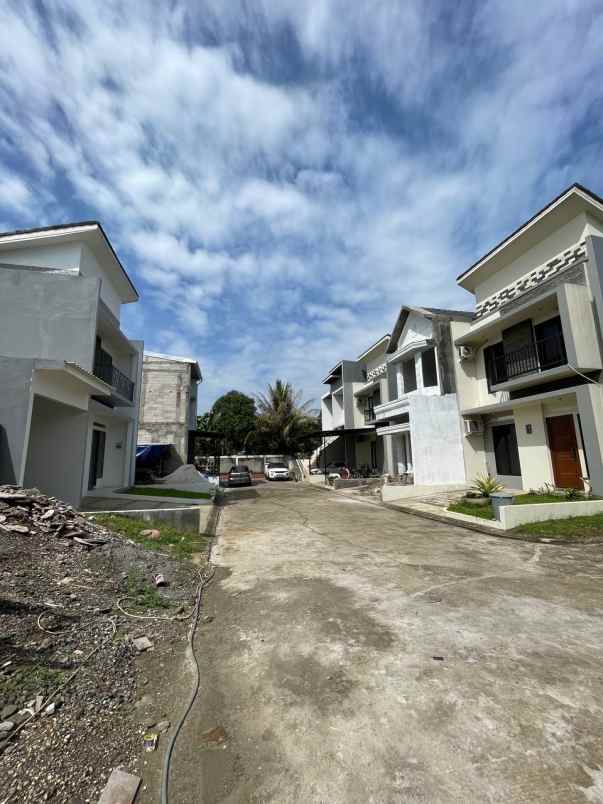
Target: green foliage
column 142, row 594
column 486, row 485
column 161, row 491
column 481, row 511
column 234, row 417
column 181, row 543
column 284, row 422
column 574, row 529
column 204, row 421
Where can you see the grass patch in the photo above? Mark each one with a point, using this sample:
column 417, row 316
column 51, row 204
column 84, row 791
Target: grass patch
column 576, row 528
column 27, row 681
column 481, row 511
column 142, row 594
column 180, row 543
column 534, row 499
column 160, row 491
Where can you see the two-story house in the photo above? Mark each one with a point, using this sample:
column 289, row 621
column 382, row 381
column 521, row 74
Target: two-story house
column 417, row 419
column 168, row 410
column 348, row 409
column 70, row 378
column 529, row 364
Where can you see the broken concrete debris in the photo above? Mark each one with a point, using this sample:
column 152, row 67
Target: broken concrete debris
column 151, row 533
column 162, row 726
column 121, row 788
column 142, row 643
column 33, row 513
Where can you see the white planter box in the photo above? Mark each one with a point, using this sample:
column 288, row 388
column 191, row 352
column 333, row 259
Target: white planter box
column 511, row 516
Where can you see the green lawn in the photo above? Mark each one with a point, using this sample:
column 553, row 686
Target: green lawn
column 180, row 543
column 576, row 528
column 534, row 499
column 160, row 491
column 481, row 511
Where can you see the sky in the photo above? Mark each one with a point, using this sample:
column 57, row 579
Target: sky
column 278, row 177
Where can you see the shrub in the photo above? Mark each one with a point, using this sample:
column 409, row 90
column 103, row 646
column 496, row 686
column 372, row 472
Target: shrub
column 486, row 485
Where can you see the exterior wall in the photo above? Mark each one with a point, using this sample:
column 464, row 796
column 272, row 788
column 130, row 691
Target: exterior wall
column 590, row 407
column 573, row 232
column 89, row 267
column 437, row 449
column 16, row 400
column 57, row 438
column 46, row 315
column 165, row 411
column 64, row 256
column 534, row 453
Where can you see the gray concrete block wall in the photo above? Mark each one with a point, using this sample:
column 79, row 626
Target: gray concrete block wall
column 15, row 382
column 164, row 408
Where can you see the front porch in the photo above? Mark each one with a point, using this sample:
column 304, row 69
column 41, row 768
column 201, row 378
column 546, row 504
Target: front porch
column 548, row 439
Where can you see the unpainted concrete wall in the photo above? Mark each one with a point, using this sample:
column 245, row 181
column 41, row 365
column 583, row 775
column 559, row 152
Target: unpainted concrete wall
column 15, row 384
column 57, row 445
column 48, row 315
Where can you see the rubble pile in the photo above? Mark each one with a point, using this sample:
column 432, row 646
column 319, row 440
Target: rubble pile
column 72, row 674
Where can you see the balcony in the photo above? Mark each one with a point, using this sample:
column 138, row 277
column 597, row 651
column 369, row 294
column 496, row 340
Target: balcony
column 106, row 371
column 369, row 415
column 532, row 358
column 395, row 407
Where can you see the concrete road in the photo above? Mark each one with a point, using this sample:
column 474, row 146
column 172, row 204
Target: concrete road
column 363, row 655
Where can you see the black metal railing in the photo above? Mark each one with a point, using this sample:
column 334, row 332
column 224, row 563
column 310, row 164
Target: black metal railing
column 106, row 371
column 369, row 415
column 542, row 354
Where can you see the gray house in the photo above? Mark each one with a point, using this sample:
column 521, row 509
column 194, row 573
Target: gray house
column 70, row 378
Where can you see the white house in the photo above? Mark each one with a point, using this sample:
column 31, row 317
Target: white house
column 417, row 418
column 70, row 378
column 529, row 364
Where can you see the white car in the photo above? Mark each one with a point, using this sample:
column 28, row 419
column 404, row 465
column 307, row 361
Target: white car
column 276, row 471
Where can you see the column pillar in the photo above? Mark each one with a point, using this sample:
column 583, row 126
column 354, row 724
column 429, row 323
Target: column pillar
column 388, row 455
column 590, row 408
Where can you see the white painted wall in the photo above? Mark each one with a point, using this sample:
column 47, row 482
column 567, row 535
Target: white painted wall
column 89, row 266
column 64, row 256
column 564, row 237
column 511, row 516
column 60, row 387
column 436, row 440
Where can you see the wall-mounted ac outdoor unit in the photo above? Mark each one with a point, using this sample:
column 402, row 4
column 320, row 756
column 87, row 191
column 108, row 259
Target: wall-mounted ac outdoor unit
column 473, row 426
column 466, row 353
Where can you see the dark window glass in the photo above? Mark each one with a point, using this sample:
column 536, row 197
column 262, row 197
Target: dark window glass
column 430, row 372
column 409, row 375
column 550, row 343
column 494, row 357
column 505, row 450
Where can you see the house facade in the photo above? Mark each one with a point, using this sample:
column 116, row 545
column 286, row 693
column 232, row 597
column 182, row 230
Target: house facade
column 417, row 418
column 70, row 377
column 529, row 364
column 168, row 411
column 348, row 409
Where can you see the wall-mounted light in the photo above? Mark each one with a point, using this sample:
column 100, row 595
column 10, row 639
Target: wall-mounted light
column 118, row 445
column 529, row 429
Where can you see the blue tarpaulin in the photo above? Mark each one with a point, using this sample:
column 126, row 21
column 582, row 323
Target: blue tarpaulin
column 151, row 453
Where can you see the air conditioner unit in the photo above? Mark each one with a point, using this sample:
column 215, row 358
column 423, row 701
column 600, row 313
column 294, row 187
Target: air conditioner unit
column 473, row 426
column 466, row 353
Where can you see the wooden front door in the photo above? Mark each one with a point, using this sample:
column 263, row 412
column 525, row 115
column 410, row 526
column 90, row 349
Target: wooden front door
column 564, row 452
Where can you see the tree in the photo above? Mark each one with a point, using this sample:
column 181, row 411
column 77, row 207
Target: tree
column 204, row 421
column 284, row 422
column 233, row 416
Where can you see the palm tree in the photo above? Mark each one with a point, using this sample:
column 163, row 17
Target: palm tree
column 283, row 419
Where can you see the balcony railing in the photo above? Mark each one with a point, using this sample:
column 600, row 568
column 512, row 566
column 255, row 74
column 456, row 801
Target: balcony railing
column 544, row 353
column 106, row 371
column 369, row 415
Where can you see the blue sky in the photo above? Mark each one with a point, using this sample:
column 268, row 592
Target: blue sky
column 278, row 177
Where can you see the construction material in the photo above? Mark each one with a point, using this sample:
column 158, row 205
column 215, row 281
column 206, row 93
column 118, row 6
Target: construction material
column 121, row 788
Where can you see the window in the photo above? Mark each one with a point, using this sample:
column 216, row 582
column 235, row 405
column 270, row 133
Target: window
column 550, row 343
column 409, row 375
column 494, row 358
column 505, row 450
column 428, row 366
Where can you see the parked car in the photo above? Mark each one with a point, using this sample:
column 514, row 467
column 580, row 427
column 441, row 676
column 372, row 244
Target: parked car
column 276, row 471
column 239, row 476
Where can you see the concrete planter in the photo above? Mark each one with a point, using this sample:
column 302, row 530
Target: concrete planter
column 511, row 516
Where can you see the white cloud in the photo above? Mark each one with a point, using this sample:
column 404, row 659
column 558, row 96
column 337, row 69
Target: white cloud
column 294, row 170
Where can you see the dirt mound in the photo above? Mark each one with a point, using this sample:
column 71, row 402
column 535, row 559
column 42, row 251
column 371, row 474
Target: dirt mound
column 72, row 671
